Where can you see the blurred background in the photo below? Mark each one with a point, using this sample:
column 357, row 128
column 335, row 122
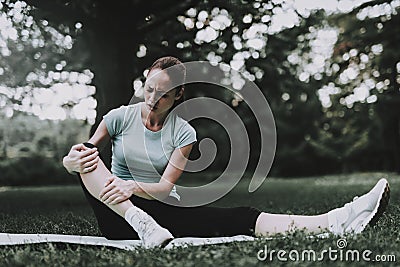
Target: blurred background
column 329, row 69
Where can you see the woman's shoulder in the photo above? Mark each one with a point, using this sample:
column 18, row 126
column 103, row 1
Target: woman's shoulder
column 134, row 105
column 131, row 106
column 184, row 133
column 119, row 118
column 178, row 121
column 125, row 108
column 182, row 125
column 122, row 112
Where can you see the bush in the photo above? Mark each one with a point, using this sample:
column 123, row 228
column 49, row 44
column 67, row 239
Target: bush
column 31, row 149
column 36, row 170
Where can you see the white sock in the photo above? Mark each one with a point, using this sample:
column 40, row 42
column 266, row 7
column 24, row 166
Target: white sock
column 136, row 217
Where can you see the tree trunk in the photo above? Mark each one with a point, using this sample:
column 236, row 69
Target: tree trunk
column 396, row 140
column 112, row 51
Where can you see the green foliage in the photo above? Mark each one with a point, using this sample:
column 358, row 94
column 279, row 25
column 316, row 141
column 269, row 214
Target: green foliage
column 35, row 170
column 39, row 73
column 311, row 139
column 31, row 149
column 37, row 48
column 341, row 143
column 296, row 118
column 369, row 44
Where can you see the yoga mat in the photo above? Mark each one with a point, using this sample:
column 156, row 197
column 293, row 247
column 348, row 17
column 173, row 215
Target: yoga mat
column 21, row 239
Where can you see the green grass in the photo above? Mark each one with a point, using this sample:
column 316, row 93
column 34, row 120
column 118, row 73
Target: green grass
column 63, row 210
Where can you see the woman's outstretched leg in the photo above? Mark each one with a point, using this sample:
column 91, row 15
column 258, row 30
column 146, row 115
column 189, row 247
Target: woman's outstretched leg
column 351, row 218
column 94, row 182
column 269, row 224
column 149, row 231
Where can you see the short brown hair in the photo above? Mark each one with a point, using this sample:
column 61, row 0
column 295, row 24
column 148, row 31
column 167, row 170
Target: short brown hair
column 175, row 69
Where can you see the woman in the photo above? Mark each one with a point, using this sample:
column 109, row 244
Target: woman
column 125, row 202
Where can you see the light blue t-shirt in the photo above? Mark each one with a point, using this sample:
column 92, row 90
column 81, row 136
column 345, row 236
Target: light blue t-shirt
column 139, row 153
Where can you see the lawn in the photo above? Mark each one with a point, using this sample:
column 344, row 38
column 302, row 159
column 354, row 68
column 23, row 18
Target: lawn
column 63, row 210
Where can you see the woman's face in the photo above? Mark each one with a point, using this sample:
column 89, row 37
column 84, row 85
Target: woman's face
column 158, row 96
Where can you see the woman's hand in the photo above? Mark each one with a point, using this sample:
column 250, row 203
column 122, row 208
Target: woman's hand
column 116, row 190
column 81, row 159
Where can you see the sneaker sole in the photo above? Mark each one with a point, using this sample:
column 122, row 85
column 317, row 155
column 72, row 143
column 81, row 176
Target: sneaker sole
column 379, row 209
column 166, row 242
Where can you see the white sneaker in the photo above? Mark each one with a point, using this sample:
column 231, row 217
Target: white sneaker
column 153, row 235
column 364, row 210
column 149, row 231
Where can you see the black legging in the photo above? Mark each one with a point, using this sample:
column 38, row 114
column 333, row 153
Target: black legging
column 180, row 221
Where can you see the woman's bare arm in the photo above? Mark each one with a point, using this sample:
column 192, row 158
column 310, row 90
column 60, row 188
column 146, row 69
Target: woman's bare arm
column 117, row 189
column 172, row 173
column 83, row 160
column 100, row 136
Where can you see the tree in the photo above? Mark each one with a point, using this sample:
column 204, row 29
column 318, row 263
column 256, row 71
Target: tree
column 110, row 36
column 365, row 65
column 118, row 40
column 37, row 69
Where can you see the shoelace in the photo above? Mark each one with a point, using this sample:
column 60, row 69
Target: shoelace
column 350, row 203
column 348, row 207
column 146, row 227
